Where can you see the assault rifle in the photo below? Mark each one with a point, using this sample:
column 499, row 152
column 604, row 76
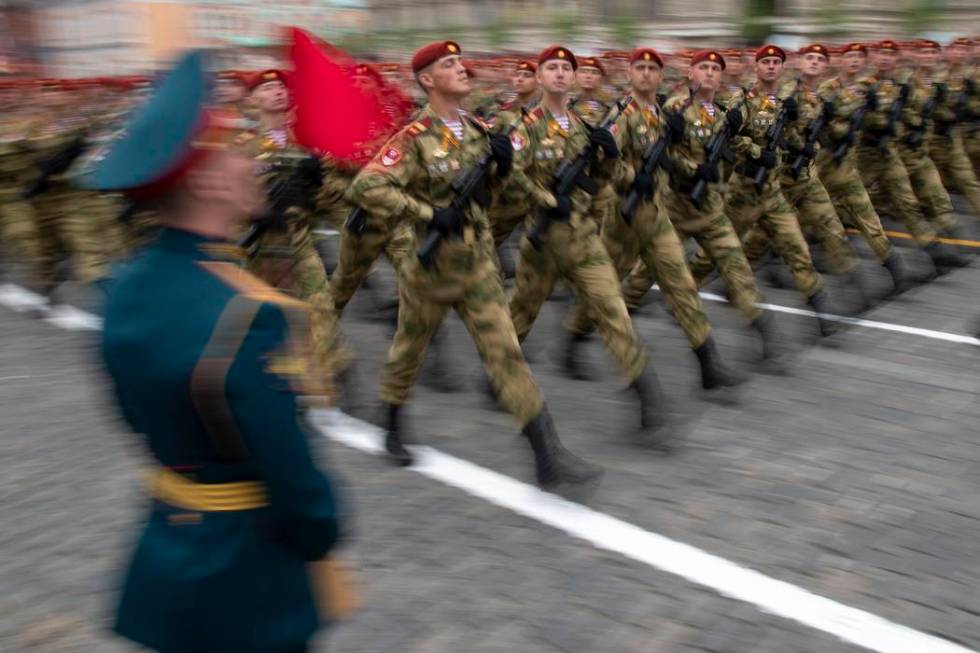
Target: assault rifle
column 717, row 149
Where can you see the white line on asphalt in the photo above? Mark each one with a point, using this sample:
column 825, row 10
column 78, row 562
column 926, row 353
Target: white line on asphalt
column 855, row 321
column 606, row 532
column 61, row 315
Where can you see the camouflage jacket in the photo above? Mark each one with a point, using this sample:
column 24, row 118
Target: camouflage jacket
column 637, row 127
column 759, row 112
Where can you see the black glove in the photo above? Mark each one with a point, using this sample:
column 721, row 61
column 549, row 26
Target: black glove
column 872, row 100
column 447, row 221
column 503, row 154
column 563, row 210
column 643, row 184
column 310, row 170
column 603, row 139
column 767, row 159
column 676, row 125
column 829, row 111
column 709, row 172
column 792, row 109
column 733, row 120
column 809, row 150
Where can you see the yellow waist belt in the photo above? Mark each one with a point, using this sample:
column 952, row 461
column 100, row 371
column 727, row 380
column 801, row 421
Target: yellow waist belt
column 176, row 490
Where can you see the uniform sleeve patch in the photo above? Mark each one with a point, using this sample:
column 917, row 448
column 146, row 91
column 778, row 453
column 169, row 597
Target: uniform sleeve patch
column 517, row 141
column 391, row 156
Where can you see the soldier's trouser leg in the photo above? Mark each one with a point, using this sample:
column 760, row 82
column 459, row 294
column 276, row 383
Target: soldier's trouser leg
column 52, row 247
column 662, row 250
column 503, row 221
column 887, row 170
column 957, row 170
column 485, row 313
column 854, row 207
column 418, row 318
column 79, row 213
column 781, row 225
column 537, row 272
column 817, row 217
column 637, row 284
column 588, row 270
column 928, row 187
column 721, row 244
column 971, row 143
column 357, row 254
column 18, row 229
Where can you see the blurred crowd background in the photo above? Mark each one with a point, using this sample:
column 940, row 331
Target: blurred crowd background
column 82, row 38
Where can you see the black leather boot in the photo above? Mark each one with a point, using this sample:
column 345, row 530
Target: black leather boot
column 714, row 373
column 818, row 302
column 775, row 349
column 393, row 426
column 571, row 357
column 900, row 275
column 944, row 258
column 653, row 408
column 553, row 464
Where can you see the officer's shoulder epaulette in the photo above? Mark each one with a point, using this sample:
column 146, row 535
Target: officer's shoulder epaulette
column 419, row 127
column 532, row 117
column 249, row 285
column 632, row 107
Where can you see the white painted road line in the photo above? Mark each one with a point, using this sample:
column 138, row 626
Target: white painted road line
column 855, row 321
column 61, row 315
column 606, row 532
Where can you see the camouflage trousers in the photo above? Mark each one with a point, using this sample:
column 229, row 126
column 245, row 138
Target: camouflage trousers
column 472, row 287
column 650, row 238
column 928, row 187
column 18, row 231
column 971, row 142
column 817, row 218
column 715, row 235
column 80, row 225
column 851, row 200
column 885, row 176
column 955, row 167
column 573, row 252
column 769, row 211
column 302, row 275
column 359, row 252
column 504, row 218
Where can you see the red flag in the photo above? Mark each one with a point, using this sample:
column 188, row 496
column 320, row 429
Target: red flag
column 333, row 114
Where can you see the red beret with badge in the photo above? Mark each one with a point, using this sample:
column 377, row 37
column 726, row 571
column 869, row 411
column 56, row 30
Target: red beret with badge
column 815, row 48
column 712, row 56
column 525, row 65
column 433, row 52
column 770, row 51
column 888, row 44
column 962, row 40
column 929, row 44
column 557, row 52
column 646, row 54
column 855, row 47
column 591, row 62
column 270, row 75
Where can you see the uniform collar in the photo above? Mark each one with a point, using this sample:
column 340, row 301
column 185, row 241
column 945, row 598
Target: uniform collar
column 181, row 240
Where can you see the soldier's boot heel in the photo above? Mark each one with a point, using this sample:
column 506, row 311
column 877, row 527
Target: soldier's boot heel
column 899, row 273
column 397, row 452
column 945, row 259
column 653, row 409
column 717, row 379
column 555, row 466
column 856, row 281
column 572, row 362
column 819, row 303
column 775, row 349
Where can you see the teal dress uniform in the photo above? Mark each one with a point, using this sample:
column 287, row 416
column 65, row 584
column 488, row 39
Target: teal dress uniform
column 208, row 366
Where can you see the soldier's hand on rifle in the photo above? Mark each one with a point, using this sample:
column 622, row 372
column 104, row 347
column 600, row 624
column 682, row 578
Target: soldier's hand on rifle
column 676, row 125
column 872, row 100
column 809, row 150
column 603, row 139
column 792, row 109
column 311, row 171
column 503, row 154
column 562, row 211
column 767, row 159
column 644, row 185
column 733, row 121
column 447, row 221
column 829, row 111
column 709, row 172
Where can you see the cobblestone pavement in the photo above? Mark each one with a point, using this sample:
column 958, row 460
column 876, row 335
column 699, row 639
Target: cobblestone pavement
column 855, row 478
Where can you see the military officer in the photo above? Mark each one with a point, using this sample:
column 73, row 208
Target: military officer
column 411, row 176
column 208, row 365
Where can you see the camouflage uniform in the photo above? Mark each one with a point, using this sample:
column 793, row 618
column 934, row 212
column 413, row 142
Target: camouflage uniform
column 746, row 207
column 572, row 250
column 284, row 257
column 842, row 180
column 808, row 197
column 946, row 146
column 18, row 226
column 409, row 177
column 650, row 237
column 510, row 205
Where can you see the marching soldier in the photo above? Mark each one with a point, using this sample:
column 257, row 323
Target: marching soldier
column 208, row 365
column 694, row 119
column 754, row 196
column 649, row 235
column 411, row 176
column 561, row 239
column 284, row 255
column 589, row 103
